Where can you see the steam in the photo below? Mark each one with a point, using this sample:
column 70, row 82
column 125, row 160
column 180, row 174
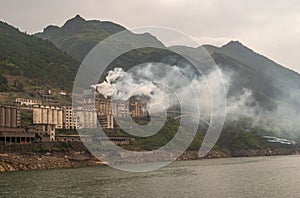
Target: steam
column 162, row 86
column 158, row 84
column 108, row 87
column 143, row 82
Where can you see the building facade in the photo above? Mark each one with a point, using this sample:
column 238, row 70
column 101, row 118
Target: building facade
column 93, row 107
column 46, row 119
column 28, row 102
column 10, row 131
column 70, row 119
column 9, row 116
column 48, row 115
column 138, row 110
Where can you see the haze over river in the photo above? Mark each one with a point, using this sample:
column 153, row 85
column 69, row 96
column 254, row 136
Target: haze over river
column 277, row 176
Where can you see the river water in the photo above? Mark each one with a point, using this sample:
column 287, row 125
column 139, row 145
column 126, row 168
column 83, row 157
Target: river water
column 233, row 177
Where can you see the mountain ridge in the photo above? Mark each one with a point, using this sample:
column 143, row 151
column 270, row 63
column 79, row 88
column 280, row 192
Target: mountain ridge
column 230, row 54
column 251, row 69
column 26, row 55
column 78, row 35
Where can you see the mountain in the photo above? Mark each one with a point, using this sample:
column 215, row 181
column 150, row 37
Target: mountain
column 28, row 61
column 258, row 73
column 45, row 59
column 78, row 36
column 271, row 83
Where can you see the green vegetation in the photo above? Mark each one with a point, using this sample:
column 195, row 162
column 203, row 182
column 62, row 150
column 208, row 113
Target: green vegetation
column 77, row 37
column 66, row 131
column 27, row 61
column 26, row 118
column 236, row 135
column 66, row 145
column 3, row 83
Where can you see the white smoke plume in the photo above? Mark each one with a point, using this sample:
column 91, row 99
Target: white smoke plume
column 163, row 86
column 157, row 84
column 108, row 87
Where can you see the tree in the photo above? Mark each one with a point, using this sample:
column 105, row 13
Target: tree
column 3, row 83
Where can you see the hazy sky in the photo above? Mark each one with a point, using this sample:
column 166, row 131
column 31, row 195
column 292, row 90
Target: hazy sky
column 270, row 27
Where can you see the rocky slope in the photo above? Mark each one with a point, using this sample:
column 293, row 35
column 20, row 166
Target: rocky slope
column 35, row 161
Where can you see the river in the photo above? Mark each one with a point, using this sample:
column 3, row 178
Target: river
column 277, row 176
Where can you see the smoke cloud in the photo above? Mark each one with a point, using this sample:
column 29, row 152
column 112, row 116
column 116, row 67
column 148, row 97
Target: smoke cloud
column 162, row 87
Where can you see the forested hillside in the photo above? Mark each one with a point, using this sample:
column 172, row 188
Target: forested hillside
column 27, row 61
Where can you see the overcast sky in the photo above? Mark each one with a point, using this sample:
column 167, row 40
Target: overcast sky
column 270, row 27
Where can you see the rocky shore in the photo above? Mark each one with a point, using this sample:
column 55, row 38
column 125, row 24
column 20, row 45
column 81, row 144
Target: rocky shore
column 70, row 158
column 217, row 153
column 36, row 161
column 45, row 156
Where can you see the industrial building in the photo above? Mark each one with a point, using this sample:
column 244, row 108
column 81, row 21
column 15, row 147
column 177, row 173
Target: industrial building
column 91, row 110
column 106, row 121
column 70, row 119
column 102, row 105
column 9, row 116
column 138, row 109
column 45, row 132
column 10, row 131
column 87, row 118
column 107, row 109
column 27, row 102
column 87, row 138
column 46, row 119
column 48, row 115
column 120, row 108
column 47, row 97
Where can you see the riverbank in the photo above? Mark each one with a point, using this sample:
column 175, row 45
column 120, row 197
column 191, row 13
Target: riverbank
column 218, row 153
column 53, row 156
column 39, row 156
column 37, row 161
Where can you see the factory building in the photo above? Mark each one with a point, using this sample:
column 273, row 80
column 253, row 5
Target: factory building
column 10, row 131
column 120, row 108
column 70, row 119
column 100, row 140
column 28, row 102
column 92, row 104
column 47, row 97
column 87, row 118
column 48, row 115
column 45, row 132
column 106, row 121
column 9, row 116
column 46, row 119
column 138, row 109
column 102, row 106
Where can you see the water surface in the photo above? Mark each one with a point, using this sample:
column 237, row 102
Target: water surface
column 234, row 177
